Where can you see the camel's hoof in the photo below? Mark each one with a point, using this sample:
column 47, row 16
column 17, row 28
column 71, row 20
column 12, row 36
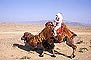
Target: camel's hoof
column 53, row 56
column 72, row 56
column 41, row 55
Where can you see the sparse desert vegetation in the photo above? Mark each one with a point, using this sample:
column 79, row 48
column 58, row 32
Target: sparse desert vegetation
column 11, row 33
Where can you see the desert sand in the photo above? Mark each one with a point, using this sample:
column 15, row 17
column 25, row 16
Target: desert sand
column 10, row 34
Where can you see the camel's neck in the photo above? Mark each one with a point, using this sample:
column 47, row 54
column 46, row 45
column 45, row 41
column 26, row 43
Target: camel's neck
column 45, row 33
column 41, row 35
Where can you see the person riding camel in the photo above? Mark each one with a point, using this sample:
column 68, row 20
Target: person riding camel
column 57, row 23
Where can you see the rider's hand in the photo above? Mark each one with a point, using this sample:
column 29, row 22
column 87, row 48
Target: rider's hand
column 54, row 21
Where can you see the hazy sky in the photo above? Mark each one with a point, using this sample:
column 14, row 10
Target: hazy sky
column 30, row 10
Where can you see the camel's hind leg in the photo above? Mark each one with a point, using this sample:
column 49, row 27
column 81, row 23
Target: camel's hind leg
column 69, row 43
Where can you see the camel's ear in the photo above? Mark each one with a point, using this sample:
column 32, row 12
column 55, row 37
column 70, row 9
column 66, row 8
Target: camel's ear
column 46, row 24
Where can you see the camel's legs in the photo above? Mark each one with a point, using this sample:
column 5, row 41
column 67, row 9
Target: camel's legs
column 53, row 53
column 69, row 43
column 41, row 50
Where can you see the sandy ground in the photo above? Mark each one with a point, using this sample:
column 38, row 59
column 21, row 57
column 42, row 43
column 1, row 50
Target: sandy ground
column 11, row 33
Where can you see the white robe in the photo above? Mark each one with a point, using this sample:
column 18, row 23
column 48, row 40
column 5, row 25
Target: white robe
column 58, row 22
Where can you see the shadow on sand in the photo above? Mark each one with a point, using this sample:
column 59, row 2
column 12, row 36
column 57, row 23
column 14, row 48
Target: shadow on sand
column 38, row 50
column 28, row 48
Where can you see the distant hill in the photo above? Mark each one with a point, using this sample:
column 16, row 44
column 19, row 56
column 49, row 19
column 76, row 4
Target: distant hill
column 67, row 22
column 75, row 23
column 44, row 21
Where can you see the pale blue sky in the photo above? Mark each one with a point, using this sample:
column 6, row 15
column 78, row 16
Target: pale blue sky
column 34, row 10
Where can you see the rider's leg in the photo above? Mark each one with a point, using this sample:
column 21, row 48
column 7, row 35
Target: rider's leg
column 55, row 30
column 55, row 34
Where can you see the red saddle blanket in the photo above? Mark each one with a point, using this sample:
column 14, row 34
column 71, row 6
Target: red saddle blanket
column 59, row 31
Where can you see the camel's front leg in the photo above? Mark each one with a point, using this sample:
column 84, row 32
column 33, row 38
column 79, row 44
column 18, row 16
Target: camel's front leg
column 53, row 53
column 41, row 50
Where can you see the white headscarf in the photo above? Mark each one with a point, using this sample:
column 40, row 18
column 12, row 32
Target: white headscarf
column 59, row 15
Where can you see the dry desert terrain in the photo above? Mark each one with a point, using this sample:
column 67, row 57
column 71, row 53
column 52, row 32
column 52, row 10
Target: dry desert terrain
column 10, row 34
